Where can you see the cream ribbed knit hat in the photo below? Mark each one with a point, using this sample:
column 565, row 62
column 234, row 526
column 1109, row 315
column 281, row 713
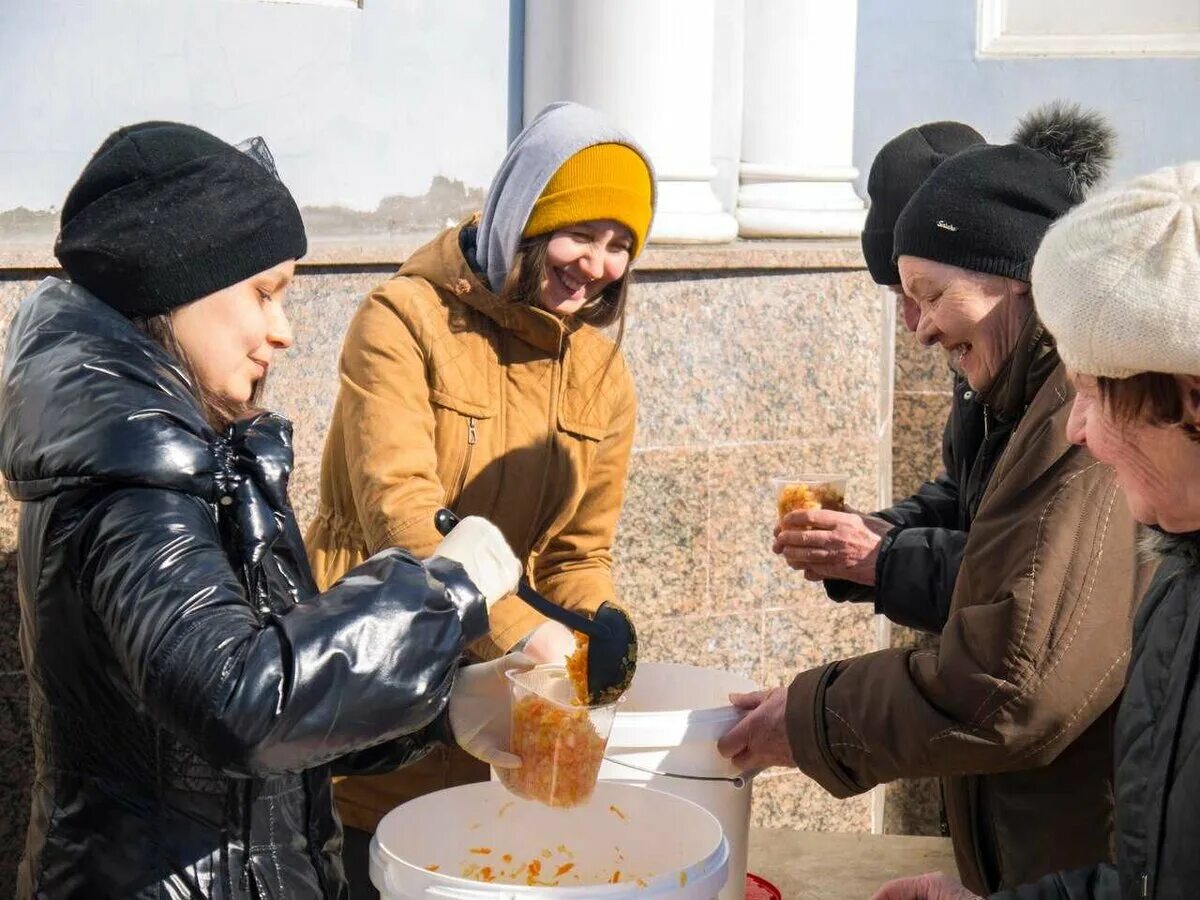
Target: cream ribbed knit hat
column 1117, row 279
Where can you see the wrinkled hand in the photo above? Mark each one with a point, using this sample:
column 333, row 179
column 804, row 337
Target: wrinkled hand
column 481, row 710
column 550, row 643
column 930, row 886
column 760, row 739
column 479, row 547
column 828, row 544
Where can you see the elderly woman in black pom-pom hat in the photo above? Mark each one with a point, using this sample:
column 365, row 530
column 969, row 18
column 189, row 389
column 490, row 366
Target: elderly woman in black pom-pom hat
column 190, row 690
column 1118, row 284
column 1013, row 710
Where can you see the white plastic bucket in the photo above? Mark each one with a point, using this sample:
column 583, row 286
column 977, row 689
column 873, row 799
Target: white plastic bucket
column 429, row 847
column 670, row 722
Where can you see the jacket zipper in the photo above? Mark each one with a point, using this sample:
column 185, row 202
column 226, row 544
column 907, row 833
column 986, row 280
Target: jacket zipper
column 1145, row 885
column 472, row 437
column 557, row 374
column 980, row 462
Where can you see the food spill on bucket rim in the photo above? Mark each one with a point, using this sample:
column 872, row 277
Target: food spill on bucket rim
column 546, row 870
column 549, row 867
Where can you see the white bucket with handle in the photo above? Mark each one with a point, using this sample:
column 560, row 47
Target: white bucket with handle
column 665, row 737
column 478, row 842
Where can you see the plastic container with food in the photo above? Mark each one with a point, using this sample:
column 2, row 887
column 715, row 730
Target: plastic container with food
column 810, row 492
column 561, row 743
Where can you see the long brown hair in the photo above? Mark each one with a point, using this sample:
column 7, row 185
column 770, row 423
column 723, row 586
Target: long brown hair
column 524, row 284
column 219, row 412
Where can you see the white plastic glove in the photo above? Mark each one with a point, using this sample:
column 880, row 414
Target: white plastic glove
column 479, row 547
column 550, row 643
column 481, row 709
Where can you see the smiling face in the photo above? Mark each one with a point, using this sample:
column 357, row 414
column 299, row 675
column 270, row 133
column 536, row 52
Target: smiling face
column 581, row 261
column 1155, row 464
column 230, row 337
column 910, row 315
column 976, row 318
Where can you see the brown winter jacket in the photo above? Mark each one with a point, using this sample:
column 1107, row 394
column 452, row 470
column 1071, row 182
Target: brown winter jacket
column 449, row 398
column 1015, row 709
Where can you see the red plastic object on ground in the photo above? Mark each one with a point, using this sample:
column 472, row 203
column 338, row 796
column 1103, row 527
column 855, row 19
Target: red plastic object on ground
column 761, row 889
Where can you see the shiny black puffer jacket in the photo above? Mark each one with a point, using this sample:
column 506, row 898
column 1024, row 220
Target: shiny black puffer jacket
column 190, row 692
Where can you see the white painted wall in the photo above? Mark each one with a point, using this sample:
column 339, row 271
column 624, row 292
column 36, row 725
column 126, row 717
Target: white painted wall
column 917, row 62
column 356, row 104
column 359, row 105
column 1033, row 17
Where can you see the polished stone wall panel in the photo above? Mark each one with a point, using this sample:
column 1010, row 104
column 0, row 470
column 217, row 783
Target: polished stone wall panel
column 731, row 642
column 807, row 636
column 793, row 800
column 664, row 563
column 922, row 403
column 919, row 420
column 754, row 356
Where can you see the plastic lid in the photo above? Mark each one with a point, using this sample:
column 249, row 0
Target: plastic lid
column 760, row 889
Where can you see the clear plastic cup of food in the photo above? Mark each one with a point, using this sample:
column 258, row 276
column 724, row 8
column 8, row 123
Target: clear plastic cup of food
column 561, row 743
column 823, row 491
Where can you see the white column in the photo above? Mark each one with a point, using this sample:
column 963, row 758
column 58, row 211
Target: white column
column 798, row 120
column 648, row 64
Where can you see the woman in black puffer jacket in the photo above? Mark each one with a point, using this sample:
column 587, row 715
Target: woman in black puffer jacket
column 1118, row 283
column 190, row 692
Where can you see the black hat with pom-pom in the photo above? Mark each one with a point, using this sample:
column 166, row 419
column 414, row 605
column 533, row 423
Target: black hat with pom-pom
column 987, row 208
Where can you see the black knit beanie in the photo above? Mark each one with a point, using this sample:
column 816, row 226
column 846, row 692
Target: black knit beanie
column 987, row 208
column 164, row 214
column 900, row 167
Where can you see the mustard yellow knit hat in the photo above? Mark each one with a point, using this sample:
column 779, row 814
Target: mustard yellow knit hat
column 604, row 181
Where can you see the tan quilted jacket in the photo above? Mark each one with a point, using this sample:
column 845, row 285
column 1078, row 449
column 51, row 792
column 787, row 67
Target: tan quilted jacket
column 449, row 398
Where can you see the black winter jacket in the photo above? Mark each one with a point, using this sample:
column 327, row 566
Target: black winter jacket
column 918, row 561
column 190, row 692
column 1157, row 750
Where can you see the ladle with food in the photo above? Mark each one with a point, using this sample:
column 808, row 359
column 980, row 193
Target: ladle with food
column 605, row 658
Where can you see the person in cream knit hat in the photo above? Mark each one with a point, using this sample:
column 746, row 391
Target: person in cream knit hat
column 480, row 377
column 1117, row 281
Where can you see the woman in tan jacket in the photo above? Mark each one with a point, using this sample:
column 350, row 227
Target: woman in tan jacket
column 479, row 378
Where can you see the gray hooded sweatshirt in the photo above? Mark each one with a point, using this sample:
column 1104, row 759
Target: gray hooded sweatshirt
column 556, row 134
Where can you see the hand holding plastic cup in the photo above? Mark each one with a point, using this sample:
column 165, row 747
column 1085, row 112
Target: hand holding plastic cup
column 810, row 492
column 561, row 743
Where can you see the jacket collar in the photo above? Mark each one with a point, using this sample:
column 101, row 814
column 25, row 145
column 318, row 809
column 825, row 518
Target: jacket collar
column 443, row 263
column 1160, row 544
column 1024, row 373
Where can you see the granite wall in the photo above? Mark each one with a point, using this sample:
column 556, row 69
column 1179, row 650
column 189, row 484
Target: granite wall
column 922, row 401
column 749, row 364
